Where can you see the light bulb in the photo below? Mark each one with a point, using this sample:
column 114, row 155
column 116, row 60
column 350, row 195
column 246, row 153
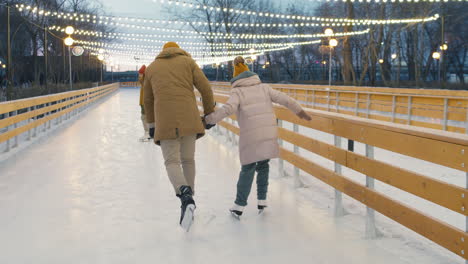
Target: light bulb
column 69, row 41
column 69, row 30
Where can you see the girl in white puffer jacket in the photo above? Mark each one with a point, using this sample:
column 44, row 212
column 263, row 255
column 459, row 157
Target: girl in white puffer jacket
column 252, row 102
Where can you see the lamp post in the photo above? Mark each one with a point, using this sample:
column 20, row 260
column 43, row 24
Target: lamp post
column 436, row 56
column 100, row 58
column 332, row 43
column 69, row 42
column 443, row 48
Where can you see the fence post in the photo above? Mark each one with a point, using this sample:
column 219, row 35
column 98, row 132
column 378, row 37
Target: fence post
column 297, row 179
column 280, row 161
column 445, row 121
column 34, row 119
column 7, row 143
column 15, row 113
column 313, row 99
column 337, row 101
column 368, row 105
column 328, row 100
column 410, row 105
column 29, row 121
column 466, row 120
column 371, row 230
column 393, row 108
column 466, row 217
column 356, row 110
column 45, row 115
column 339, row 210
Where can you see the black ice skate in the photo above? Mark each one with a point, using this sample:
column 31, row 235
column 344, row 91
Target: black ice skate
column 262, row 204
column 187, row 208
column 236, row 211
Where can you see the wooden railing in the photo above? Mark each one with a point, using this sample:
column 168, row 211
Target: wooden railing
column 437, row 109
column 439, row 147
column 129, row 84
column 27, row 115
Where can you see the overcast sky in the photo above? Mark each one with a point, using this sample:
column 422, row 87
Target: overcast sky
column 150, row 9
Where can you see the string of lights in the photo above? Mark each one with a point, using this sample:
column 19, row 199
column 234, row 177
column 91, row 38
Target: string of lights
column 197, row 6
column 151, row 54
column 147, row 37
column 125, row 21
column 203, row 45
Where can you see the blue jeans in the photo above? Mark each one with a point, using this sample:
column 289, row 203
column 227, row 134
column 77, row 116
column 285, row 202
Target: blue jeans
column 246, row 179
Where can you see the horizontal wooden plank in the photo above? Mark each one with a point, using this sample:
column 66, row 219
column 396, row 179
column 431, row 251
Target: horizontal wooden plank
column 441, row 233
column 439, row 192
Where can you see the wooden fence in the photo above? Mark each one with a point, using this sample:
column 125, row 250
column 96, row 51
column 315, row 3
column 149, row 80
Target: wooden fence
column 439, row 147
column 129, row 84
column 27, row 115
column 437, row 109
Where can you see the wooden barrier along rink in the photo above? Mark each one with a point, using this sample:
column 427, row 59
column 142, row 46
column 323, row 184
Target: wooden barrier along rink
column 438, row 109
column 439, row 147
column 129, row 84
column 40, row 110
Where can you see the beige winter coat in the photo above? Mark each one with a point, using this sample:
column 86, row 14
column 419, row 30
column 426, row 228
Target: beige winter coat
column 169, row 97
column 252, row 102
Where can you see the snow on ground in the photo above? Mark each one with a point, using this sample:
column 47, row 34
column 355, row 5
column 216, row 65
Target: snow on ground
column 92, row 193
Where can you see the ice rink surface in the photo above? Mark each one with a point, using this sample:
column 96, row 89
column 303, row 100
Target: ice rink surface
column 91, row 193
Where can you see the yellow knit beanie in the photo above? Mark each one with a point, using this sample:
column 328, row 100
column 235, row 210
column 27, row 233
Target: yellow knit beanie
column 239, row 66
column 171, row 45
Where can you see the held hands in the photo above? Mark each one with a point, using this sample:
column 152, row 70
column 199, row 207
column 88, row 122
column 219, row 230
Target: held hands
column 303, row 115
column 207, row 126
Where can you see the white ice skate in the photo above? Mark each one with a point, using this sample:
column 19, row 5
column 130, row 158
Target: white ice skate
column 145, row 138
column 187, row 219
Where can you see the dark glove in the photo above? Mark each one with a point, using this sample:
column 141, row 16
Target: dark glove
column 207, row 126
column 151, row 132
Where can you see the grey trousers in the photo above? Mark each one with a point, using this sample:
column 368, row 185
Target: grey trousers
column 179, row 158
column 244, row 184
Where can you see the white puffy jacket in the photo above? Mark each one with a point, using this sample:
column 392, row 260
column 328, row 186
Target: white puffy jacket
column 252, row 102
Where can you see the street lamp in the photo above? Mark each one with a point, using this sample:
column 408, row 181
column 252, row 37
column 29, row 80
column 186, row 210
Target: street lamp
column 436, row 56
column 69, row 30
column 394, row 56
column 100, row 58
column 69, row 42
column 332, row 43
column 328, row 32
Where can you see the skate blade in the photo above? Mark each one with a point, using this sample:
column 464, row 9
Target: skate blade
column 187, row 221
column 261, row 211
column 144, row 140
column 236, row 216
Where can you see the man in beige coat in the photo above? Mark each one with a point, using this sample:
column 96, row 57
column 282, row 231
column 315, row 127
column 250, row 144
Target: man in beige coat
column 174, row 119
